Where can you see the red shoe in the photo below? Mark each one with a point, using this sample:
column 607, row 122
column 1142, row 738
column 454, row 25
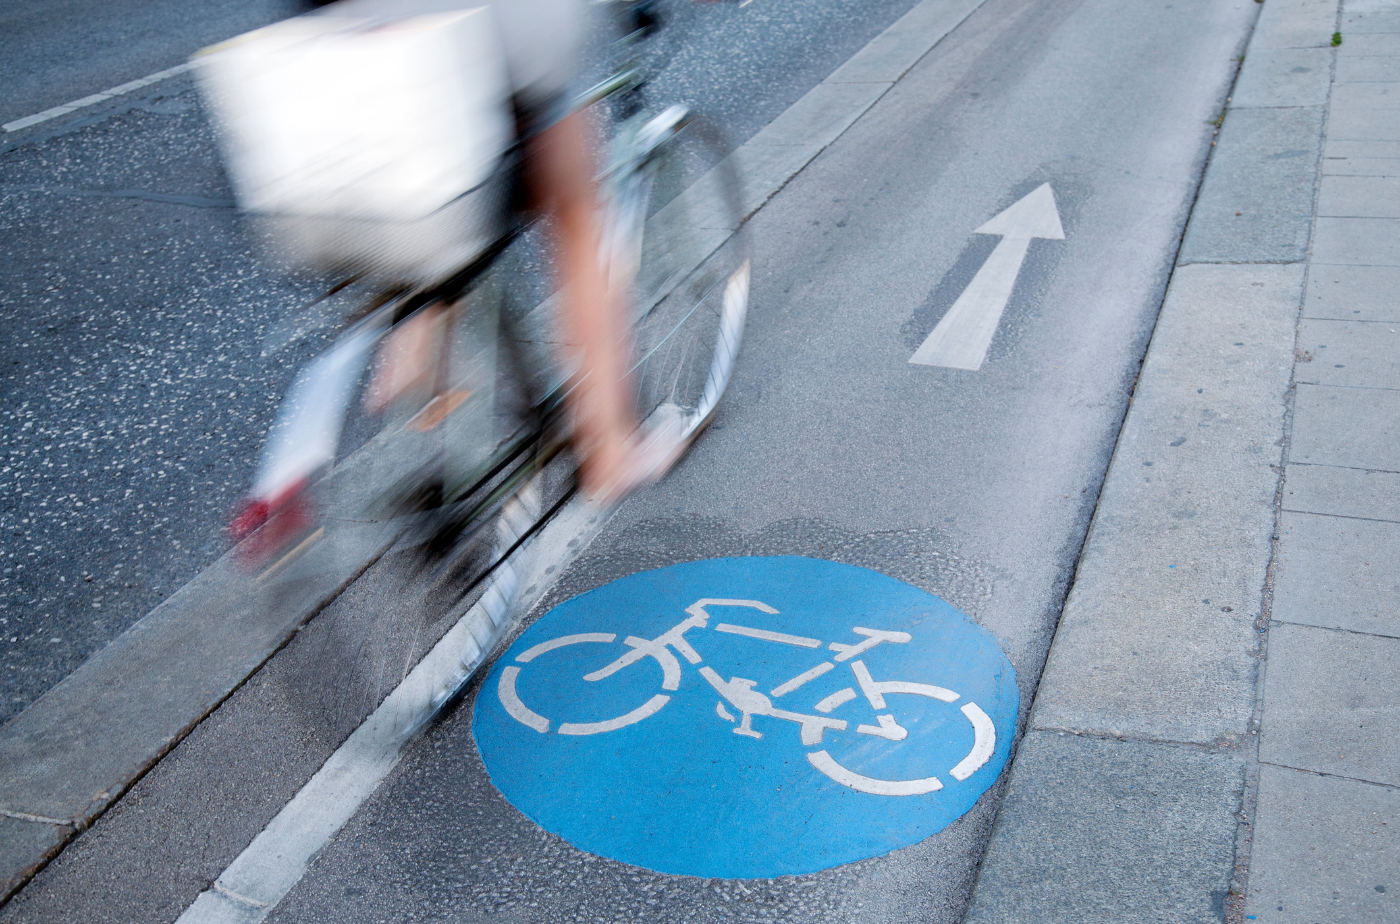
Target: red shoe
column 264, row 527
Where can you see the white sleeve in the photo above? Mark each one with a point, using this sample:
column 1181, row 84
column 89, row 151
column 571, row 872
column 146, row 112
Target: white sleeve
column 541, row 39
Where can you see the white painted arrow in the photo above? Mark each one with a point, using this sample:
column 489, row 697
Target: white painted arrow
column 961, row 339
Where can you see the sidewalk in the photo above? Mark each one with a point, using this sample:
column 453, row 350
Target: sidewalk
column 1215, row 736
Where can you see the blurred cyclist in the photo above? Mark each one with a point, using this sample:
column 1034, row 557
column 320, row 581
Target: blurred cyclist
column 541, row 43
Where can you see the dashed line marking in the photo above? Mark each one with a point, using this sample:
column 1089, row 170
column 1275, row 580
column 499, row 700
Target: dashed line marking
column 86, row 101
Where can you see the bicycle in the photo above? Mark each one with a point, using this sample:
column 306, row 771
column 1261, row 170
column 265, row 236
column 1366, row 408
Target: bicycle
column 673, row 227
column 739, row 693
column 489, row 446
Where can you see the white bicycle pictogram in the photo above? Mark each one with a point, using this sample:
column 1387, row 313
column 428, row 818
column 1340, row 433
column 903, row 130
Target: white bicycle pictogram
column 740, row 694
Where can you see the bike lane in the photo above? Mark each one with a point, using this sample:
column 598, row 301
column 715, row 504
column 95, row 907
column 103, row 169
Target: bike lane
column 970, row 485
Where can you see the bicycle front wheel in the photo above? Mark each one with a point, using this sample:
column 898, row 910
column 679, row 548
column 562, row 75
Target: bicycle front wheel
column 691, row 288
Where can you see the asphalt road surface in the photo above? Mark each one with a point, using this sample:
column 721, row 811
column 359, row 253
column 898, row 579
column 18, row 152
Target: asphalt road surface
column 977, row 485
column 136, row 391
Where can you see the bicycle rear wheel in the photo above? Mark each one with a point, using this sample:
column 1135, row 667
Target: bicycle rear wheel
column 691, row 290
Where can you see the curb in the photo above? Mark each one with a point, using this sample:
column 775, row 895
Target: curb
column 1127, row 799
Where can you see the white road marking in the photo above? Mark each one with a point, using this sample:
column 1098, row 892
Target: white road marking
column 77, row 104
column 828, row 765
column 542, row 647
column 645, row 710
column 741, row 695
column 697, row 609
column 888, row 728
column 767, row 636
column 836, row 699
column 514, row 707
column 802, row 678
column 874, row 690
column 656, row 648
column 982, row 747
column 961, row 339
column 873, row 637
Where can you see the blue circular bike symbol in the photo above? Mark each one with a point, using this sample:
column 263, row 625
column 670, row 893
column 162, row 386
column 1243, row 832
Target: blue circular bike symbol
column 748, row 717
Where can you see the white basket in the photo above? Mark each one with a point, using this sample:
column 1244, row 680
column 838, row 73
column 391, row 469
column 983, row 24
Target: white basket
column 367, row 145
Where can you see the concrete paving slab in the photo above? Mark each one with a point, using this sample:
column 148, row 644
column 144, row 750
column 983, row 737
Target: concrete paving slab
column 1355, row 42
column 1157, row 638
column 24, row 846
column 785, row 146
column 1347, row 148
column 1352, row 427
column 1360, row 166
column 819, row 117
column 1343, row 492
column 1324, row 850
column 899, row 47
column 1361, row 354
column 1284, row 77
column 1371, row 95
column 1384, row 21
column 766, row 167
column 1364, row 125
column 1294, row 24
column 1366, row 68
column 1359, row 197
column 1123, row 831
column 1257, row 199
column 1332, row 703
column 1357, row 241
column 1338, row 573
column 1362, row 293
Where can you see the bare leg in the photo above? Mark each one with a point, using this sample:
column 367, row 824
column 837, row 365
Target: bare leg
column 561, row 175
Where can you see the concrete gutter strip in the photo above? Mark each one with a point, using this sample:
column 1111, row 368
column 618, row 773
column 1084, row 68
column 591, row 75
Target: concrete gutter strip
column 1124, row 802
column 76, row 750
column 72, row 753
column 773, row 156
column 1158, row 637
column 252, row 885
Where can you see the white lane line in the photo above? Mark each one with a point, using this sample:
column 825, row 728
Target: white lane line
column 767, row 636
column 253, row 884
column 77, row 104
